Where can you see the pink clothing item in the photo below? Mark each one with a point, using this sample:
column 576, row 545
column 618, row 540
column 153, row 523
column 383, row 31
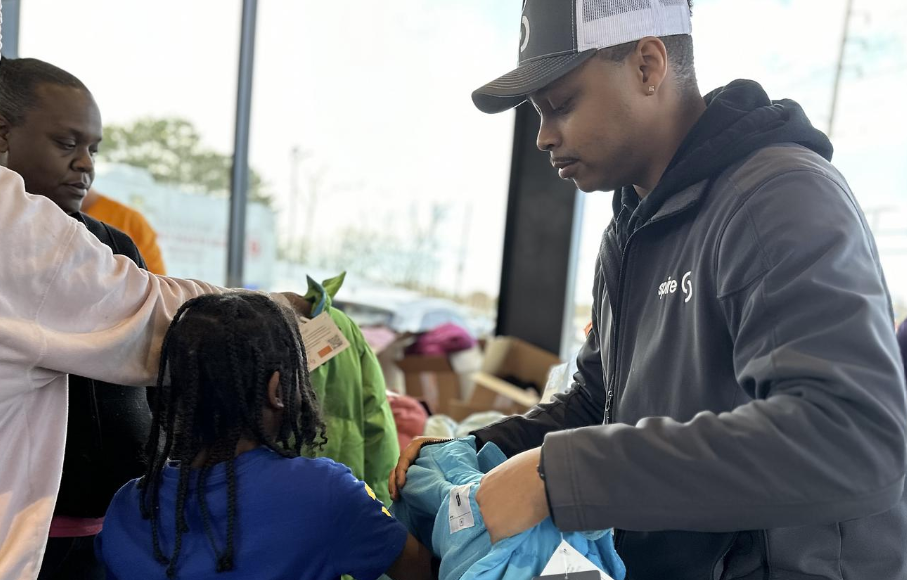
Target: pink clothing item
column 68, row 527
column 378, row 337
column 443, row 340
column 69, row 306
column 409, row 416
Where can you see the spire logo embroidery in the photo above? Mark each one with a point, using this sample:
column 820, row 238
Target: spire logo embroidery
column 670, row 287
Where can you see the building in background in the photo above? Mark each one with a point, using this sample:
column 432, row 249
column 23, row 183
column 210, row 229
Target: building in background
column 192, row 227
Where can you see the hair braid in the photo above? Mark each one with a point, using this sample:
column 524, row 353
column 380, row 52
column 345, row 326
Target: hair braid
column 225, row 562
column 203, row 507
column 185, row 451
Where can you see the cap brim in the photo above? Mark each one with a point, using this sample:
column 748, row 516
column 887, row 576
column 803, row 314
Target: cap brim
column 508, row 91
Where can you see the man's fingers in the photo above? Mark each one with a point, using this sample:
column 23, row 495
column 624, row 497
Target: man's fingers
column 409, row 455
column 392, row 484
column 401, row 476
column 397, row 478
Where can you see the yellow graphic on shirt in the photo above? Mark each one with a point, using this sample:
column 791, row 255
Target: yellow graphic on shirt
column 372, row 495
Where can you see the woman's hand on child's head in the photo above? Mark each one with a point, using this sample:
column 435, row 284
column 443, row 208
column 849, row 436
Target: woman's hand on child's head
column 408, row 456
column 298, row 304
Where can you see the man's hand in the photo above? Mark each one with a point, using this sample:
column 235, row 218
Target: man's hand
column 512, row 496
column 408, row 456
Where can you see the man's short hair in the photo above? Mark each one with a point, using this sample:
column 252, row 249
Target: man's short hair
column 680, row 56
column 19, row 82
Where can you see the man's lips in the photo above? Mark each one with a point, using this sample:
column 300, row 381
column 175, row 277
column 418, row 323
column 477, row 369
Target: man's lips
column 566, row 166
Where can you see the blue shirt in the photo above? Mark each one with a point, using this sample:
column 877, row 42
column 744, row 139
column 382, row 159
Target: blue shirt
column 295, row 519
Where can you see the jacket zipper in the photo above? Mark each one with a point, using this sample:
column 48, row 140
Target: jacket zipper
column 615, row 327
column 615, row 332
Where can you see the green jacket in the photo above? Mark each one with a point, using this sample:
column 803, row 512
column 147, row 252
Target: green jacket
column 350, row 388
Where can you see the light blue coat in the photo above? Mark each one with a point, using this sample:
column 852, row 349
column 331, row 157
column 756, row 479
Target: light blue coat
column 468, row 554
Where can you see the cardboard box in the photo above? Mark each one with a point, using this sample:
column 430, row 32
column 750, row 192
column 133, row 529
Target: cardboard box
column 510, row 357
column 394, row 379
column 460, row 410
column 431, row 379
column 466, row 364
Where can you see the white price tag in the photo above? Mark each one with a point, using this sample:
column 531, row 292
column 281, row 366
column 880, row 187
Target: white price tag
column 566, row 560
column 322, row 339
column 460, row 511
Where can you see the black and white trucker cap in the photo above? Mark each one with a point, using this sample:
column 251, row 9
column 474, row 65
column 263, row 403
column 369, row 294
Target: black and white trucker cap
column 556, row 36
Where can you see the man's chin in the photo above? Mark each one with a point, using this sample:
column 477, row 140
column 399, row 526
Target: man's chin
column 589, row 187
column 589, row 183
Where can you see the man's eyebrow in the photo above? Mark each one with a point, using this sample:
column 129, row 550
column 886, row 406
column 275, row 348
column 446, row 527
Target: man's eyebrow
column 545, row 91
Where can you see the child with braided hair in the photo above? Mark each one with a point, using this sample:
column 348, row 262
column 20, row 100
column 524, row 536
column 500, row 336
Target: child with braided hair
column 226, row 489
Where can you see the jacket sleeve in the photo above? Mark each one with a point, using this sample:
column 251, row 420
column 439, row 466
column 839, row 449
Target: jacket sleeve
column 382, row 448
column 68, row 305
column 581, row 406
column 823, row 438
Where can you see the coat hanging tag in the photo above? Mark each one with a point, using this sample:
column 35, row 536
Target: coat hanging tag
column 587, row 575
column 568, row 564
column 322, row 339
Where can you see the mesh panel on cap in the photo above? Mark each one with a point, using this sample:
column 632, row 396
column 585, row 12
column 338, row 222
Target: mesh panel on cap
column 607, row 23
column 595, row 9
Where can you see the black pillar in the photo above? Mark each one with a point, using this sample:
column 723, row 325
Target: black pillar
column 239, row 182
column 10, row 28
column 539, row 262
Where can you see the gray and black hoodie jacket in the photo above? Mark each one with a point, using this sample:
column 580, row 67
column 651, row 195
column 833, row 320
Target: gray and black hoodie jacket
column 739, row 410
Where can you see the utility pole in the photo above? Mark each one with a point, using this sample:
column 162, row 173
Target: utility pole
column 842, row 52
column 315, row 182
column 290, row 234
column 464, row 246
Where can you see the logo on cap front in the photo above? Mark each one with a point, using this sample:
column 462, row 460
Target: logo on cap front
column 525, row 31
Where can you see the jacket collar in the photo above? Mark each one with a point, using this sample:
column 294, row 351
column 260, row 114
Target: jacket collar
column 682, row 200
column 321, row 296
column 626, row 202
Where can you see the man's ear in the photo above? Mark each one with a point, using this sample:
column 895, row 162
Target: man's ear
column 651, row 64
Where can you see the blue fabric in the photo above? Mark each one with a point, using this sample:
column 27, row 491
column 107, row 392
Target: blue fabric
column 296, row 518
column 468, row 553
column 319, row 293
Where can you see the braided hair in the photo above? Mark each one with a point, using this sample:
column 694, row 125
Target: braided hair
column 221, row 352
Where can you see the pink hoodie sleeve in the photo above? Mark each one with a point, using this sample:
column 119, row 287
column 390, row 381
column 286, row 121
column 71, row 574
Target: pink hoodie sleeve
column 67, row 304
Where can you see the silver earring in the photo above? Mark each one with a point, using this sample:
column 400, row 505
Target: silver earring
column 651, row 88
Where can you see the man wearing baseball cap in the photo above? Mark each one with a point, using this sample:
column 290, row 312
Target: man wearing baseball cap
column 739, row 410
